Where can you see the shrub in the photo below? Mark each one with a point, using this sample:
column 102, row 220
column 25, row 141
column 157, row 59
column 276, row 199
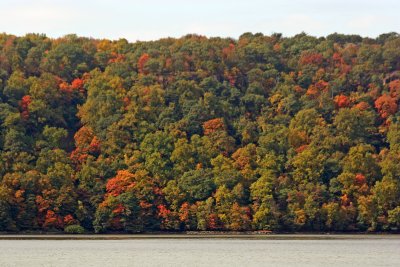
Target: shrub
column 74, row 229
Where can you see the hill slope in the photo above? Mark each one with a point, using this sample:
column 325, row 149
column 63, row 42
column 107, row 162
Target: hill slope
column 259, row 133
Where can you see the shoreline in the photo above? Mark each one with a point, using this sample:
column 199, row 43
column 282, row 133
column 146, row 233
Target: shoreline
column 269, row 236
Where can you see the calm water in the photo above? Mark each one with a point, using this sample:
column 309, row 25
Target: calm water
column 202, row 252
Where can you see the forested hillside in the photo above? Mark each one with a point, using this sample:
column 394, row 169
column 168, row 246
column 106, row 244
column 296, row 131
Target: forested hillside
column 196, row 133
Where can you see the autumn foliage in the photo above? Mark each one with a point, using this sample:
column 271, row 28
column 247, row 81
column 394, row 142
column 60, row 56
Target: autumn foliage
column 260, row 133
column 342, row 101
column 120, row 183
column 25, row 101
column 142, row 61
column 311, row 58
column 213, row 126
column 386, row 105
column 86, row 143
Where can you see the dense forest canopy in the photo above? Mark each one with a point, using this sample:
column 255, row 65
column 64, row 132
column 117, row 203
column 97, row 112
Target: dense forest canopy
column 258, row 133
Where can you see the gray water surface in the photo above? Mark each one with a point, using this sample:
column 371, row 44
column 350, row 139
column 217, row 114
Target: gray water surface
column 202, row 252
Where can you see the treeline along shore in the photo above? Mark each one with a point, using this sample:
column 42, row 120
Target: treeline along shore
column 260, row 133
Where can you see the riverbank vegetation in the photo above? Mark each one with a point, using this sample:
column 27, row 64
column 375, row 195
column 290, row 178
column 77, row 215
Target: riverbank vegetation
column 258, row 133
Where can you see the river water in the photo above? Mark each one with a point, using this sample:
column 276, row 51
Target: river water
column 203, row 252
